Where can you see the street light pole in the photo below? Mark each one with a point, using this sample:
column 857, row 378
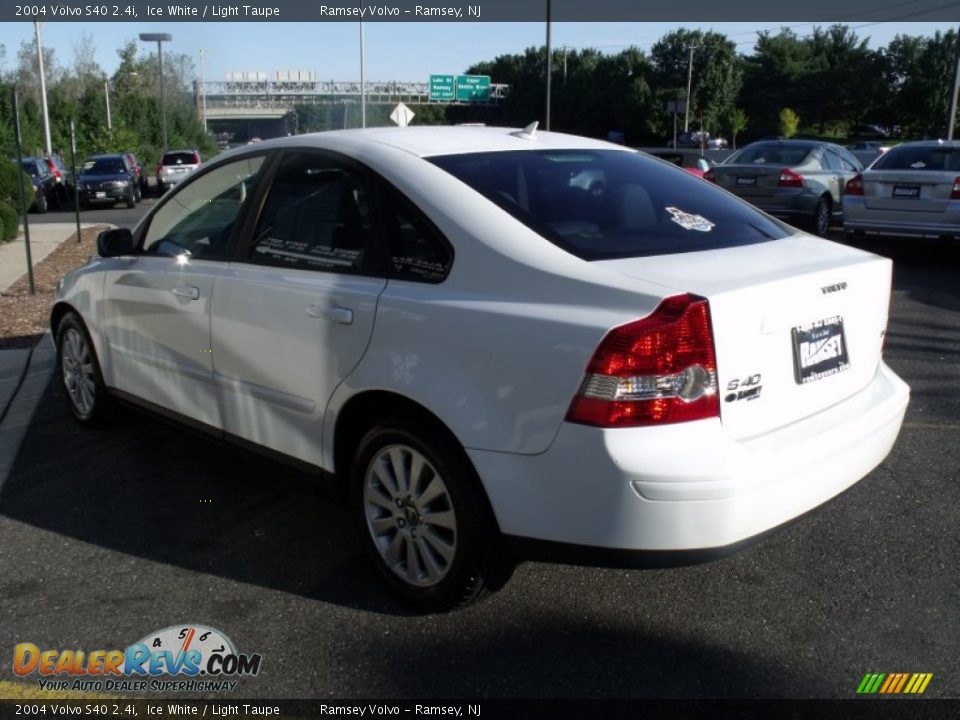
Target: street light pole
column 160, row 38
column 43, row 90
column 106, row 91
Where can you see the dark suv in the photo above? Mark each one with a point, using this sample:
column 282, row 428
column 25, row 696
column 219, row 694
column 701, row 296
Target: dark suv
column 108, row 179
column 44, row 184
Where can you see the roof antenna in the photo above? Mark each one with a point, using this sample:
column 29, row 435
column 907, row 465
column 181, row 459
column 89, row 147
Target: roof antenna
column 529, row 132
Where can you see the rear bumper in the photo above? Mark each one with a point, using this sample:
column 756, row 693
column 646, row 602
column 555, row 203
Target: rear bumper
column 106, row 195
column 856, row 216
column 689, row 487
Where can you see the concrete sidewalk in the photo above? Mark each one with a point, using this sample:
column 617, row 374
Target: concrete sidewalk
column 25, row 373
column 44, row 239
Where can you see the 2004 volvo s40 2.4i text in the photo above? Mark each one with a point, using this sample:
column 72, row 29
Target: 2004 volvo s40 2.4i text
column 496, row 340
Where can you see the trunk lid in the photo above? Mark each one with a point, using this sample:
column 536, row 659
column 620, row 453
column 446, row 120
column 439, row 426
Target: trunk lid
column 916, row 190
column 798, row 323
column 749, row 180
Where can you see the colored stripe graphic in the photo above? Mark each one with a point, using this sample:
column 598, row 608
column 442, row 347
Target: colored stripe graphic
column 894, row 683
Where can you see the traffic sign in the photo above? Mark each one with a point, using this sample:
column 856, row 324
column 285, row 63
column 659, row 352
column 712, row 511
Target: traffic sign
column 402, row 115
column 442, row 87
column 473, row 88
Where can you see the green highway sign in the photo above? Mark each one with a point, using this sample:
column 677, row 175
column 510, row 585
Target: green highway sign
column 473, row 88
column 442, row 87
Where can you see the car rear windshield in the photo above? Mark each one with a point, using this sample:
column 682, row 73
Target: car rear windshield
column 770, row 154
column 104, row 166
column 179, row 158
column 605, row 204
column 922, row 157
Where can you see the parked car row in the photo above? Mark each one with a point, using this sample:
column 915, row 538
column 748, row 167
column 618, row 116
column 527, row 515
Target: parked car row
column 912, row 188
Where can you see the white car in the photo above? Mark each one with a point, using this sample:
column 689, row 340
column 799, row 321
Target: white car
column 492, row 358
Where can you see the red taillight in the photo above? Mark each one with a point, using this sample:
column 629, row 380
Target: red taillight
column 955, row 193
column 789, row 178
column 661, row 369
column 710, row 175
column 854, row 185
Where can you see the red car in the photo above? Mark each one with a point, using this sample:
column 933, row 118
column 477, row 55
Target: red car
column 690, row 160
column 138, row 168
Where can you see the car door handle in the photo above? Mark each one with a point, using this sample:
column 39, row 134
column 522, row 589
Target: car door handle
column 333, row 313
column 191, row 293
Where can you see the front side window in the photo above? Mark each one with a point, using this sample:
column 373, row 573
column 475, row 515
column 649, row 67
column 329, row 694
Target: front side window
column 316, row 216
column 198, row 218
column 605, row 204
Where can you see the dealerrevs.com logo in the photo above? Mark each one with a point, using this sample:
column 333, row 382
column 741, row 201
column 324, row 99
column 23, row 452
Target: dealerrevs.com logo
column 180, row 658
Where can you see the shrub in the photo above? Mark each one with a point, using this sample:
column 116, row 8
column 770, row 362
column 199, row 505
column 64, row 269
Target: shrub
column 9, row 192
column 9, row 222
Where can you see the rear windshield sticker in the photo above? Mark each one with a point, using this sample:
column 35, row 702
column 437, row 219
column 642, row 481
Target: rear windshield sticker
column 688, row 221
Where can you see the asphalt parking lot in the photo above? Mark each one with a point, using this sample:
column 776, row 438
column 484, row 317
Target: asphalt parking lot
column 106, row 536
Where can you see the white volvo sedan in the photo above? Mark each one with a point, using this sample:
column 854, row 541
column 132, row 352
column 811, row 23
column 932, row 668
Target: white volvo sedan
column 498, row 343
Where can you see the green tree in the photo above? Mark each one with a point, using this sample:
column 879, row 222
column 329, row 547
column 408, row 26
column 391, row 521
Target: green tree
column 717, row 72
column 737, row 122
column 789, row 122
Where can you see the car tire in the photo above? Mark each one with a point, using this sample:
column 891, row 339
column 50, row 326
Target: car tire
column 79, row 372
column 132, row 199
column 137, row 193
column 820, row 223
column 415, row 500
column 41, row 205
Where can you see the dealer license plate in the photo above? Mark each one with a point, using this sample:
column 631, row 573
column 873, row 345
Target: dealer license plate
column 819, row 350
column 908, row 192
column 746, row 180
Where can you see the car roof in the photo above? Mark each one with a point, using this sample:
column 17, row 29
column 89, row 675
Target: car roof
column 431, row 140
column 107, row 156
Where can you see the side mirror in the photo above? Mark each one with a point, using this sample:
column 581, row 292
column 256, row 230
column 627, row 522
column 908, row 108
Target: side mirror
column 115, row 242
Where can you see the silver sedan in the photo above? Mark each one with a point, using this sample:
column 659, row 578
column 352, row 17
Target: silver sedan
column 913, row 189
column 800, row 181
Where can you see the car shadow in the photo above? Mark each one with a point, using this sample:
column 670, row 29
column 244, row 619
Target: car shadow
column 219, row 510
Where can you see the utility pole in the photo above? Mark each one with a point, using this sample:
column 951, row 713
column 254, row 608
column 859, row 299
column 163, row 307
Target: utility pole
column 546, row 123
column 203, row 90
column 686, row 110
column 953, row 95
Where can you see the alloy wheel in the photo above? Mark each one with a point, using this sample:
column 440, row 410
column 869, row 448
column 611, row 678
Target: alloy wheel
column 409, row 514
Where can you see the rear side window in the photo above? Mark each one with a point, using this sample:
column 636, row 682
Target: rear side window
column 923, row 157
column 605, row 204
column 418, row 251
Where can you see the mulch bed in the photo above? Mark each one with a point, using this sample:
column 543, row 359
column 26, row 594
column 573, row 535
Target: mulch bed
column 24, row 317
